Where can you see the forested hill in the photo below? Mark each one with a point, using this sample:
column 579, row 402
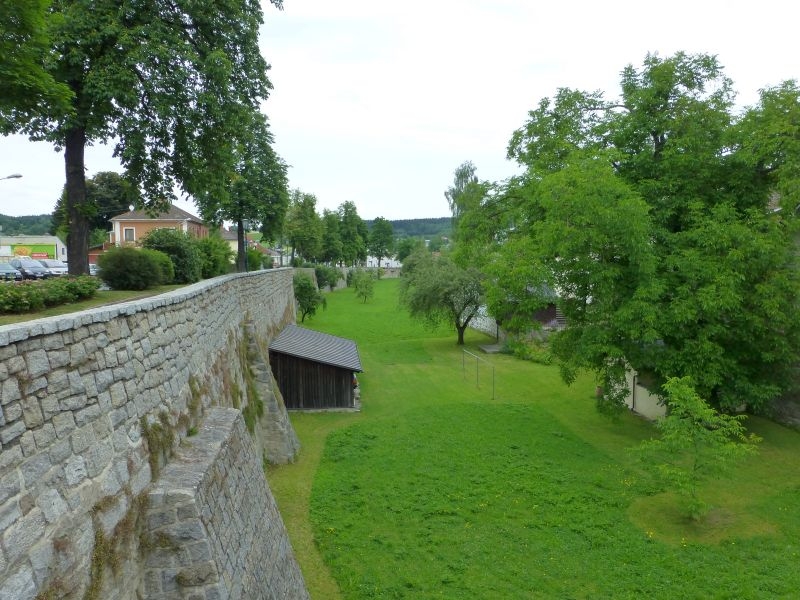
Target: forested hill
column 30, row 225
column 425, row 228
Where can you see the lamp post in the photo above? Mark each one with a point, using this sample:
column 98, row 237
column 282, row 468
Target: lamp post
column 12, row 176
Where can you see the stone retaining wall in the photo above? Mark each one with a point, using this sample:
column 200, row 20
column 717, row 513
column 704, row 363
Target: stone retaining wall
column 92, row 406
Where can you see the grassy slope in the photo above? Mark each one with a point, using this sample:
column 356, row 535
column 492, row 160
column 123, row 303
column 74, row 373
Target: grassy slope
column 436, row 490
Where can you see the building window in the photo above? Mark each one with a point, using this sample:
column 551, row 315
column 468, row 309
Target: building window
column 129, row 234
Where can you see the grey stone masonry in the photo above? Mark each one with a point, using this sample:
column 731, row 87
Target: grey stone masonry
column 216, row 528
column 93, row 406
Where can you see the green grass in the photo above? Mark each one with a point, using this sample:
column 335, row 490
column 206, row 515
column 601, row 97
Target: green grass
column 435, row 490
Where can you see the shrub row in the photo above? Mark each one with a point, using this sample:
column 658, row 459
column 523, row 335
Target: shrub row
column 167, row 256
column 35, row 295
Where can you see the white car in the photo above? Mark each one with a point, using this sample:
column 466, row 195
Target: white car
column 54, row 267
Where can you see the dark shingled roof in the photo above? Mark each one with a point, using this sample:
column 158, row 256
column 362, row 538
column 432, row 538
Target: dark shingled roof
column 318, row 347
column 174, row 213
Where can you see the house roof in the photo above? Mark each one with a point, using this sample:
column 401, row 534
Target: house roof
column 172, row 214
column 318, row 347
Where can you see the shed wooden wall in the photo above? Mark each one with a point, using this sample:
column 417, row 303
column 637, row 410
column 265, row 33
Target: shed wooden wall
column 309, row 385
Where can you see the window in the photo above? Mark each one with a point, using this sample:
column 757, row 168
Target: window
column 129, row 234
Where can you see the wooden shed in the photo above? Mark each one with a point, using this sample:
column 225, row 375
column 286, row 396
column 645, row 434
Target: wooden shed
column 314, row 370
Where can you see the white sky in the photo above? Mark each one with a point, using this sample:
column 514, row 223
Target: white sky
column 379, row 102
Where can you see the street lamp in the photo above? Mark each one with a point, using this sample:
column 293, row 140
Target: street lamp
column 12, row 176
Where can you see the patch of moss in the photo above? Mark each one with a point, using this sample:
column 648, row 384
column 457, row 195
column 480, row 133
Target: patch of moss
column 160, row 438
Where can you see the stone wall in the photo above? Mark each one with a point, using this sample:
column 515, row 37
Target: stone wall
column 92, row 407
column 210, row 512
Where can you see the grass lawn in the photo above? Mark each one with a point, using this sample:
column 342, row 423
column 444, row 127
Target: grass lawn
column 436, row 490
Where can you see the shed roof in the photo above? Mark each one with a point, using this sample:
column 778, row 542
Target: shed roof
column 317, row 347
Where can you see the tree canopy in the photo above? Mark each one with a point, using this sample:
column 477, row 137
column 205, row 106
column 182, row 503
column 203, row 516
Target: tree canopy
column 381, row 239
column 436, row 290
column 653, row 217
column 169, row 83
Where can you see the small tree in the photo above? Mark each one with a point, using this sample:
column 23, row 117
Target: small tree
column 697, row 443
column 308, row 297
column 381, row 239
column 216, row 256
column 439, row 291
column 363, row 283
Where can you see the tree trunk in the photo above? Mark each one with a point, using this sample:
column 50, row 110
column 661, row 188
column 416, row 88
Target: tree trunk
column 241, row 253
column 78, row 223
column 460, row 329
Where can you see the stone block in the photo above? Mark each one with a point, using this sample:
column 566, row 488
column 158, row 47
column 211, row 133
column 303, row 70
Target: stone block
column 52, row 504
column 11, row 432
column 37, row 363
column 10, row 486
column 75, row 470
column 12, row 411
column 58, row 358
column 19, row 586
column 60, row 451
column 44, row 436
column 34, row 469
column 23, row 534
column 64, row 424
column 31, row 412
column 9, row 391
column 82, row 439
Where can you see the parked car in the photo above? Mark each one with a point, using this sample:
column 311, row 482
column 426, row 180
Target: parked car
column 54, row 267
column 94, row 269
column 30, row 269
column 9, row 273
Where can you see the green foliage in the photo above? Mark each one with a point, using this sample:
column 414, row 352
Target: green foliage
column 697, row 443
column 331, row 239
column 381, row 239
column 181, row 248
column 164, row 270
column 30, row 225
column 36, row 295
column 651, row 216
column 303, row 226
column 216, row 256
column 406, row 246
column 128, row 268
column 255, row 259
column 437, row 290
column 364, row 284
column 29, row 90
column 354, row 234
column 327, row 276
column 532, row 351
column 308, row 297
column 108, row 194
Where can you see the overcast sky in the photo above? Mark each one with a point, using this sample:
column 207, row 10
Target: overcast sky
column 379, row 102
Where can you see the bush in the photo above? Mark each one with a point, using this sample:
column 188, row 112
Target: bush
column 35, row 295
column 128, row 268
column 363, row 283
column 216, row 256
column 255, row 259
column 164, row 267
column 182, row 249
column 327, row 276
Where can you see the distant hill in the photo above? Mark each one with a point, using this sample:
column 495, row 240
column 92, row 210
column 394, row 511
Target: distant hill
column 30, row 225
column 421, row 228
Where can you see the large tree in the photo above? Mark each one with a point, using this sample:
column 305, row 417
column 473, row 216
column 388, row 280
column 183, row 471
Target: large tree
column 653, row 218
column 354, row 234
column 436, row 290
column 381, row 239
column 168, row 82
column 331, row 239
column 304, row 226
column 259, row 196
